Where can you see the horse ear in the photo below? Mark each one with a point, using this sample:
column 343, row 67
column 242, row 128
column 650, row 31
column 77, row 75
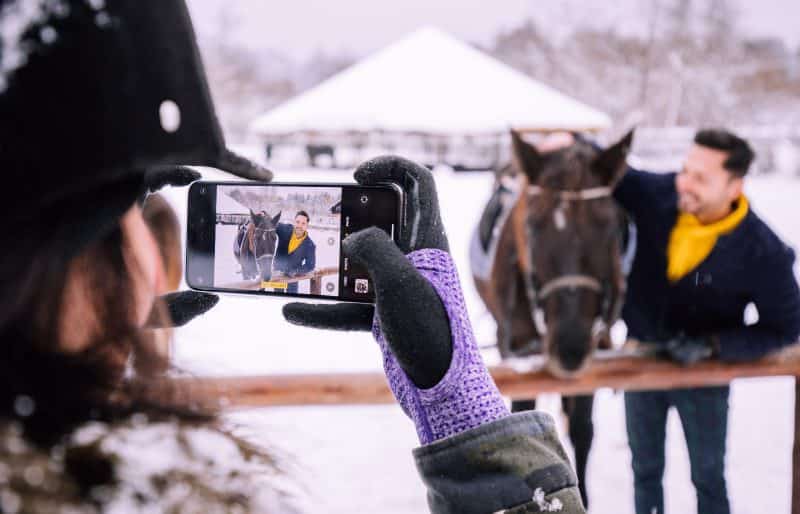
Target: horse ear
column 610, row 164
column 525, row 157
column 276, row 219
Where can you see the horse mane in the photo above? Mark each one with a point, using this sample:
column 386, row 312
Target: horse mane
column 251, row 231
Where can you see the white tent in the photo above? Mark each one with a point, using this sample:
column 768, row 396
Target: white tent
column 431, row 83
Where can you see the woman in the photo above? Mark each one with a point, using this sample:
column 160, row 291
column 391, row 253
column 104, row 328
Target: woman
column 88, row 418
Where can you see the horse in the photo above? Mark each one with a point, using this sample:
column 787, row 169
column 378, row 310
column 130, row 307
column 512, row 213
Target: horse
column 554, row 283
column 254, row 245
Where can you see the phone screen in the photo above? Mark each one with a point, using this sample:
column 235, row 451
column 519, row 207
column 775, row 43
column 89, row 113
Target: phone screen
column 283, row 239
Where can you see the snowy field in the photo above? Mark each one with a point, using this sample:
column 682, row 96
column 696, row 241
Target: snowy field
column 358, row 459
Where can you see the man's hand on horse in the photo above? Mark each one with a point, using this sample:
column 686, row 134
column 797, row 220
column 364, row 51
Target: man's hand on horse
column 410, row 314
column 687, row 351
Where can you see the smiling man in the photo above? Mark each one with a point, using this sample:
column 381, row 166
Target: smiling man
column 702, row 257
column 296, row 252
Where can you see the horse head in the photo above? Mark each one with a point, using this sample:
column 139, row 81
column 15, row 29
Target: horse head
column 568, row 245
column 262, row 240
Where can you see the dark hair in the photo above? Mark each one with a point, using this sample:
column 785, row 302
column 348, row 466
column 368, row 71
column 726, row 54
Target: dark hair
column 70, row 388
column 166, row 229
column 303, row 213
column 740, row 154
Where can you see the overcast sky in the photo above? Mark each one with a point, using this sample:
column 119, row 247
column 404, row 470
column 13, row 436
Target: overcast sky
column 357, row 27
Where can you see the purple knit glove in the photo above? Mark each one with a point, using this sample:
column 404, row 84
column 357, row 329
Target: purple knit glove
column 467, row 396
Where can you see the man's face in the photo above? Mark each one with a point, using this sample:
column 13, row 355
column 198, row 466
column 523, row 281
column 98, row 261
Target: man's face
column 705, row 188
column 300, row 225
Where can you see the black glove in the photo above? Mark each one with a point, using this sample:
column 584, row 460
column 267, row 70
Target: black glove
column 183, row 306
column 687, row 351
column 162, row 176
column 411, row 314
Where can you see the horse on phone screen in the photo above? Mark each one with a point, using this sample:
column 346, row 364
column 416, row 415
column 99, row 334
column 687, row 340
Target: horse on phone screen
column 254, row 245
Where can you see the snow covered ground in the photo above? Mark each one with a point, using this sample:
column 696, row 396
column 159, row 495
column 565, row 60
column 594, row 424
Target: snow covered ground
column 353, row 459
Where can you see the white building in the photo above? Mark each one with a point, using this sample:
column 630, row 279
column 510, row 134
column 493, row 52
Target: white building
column 428, row 96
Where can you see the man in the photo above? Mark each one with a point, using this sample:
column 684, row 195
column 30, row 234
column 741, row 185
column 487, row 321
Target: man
column 296, row 253
column 702, row 256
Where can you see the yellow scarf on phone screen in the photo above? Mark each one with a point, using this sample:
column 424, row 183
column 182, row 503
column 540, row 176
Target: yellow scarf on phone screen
column 295, row 241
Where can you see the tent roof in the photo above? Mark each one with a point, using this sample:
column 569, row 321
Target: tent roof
column 429, row 82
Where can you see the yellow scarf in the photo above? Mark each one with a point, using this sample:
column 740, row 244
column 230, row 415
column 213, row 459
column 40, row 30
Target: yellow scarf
column 295, row 241
column 690, row 241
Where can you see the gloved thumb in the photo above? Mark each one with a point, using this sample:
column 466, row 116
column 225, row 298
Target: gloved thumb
column 182, row 307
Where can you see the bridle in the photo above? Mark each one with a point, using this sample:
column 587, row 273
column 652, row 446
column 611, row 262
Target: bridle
column 251, row 237
column 537, row 295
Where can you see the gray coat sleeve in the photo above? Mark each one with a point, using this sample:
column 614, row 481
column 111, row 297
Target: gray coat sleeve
column 513, row 465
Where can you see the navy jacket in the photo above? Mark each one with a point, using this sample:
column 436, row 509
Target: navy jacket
column 302, row 260
column 749, row 264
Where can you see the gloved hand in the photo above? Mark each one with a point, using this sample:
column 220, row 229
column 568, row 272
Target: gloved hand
column 687, row 351
column 420, row 321
column 182, row 306
column 162, row 176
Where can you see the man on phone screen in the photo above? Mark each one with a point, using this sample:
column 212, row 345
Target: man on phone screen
column 296, row 253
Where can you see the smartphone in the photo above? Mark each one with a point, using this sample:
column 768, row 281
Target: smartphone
column 284, row 239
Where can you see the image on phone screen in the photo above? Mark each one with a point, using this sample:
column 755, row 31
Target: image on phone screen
column 283, row 239
column 278, row 239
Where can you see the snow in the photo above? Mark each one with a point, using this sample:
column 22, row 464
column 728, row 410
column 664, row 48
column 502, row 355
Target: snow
column 166, row 460
column 433, row 83
column 15, row 19
column 358, row 458
column 545, row 505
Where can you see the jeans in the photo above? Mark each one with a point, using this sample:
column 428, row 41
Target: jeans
column 704, row 416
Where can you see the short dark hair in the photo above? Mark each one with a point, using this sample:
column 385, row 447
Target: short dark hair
column 740, row 154
column 303, row 213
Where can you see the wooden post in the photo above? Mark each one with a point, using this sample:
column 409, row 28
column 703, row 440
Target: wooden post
column 796, row 452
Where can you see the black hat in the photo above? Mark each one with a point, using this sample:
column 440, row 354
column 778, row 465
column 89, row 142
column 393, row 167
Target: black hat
column 93, row 93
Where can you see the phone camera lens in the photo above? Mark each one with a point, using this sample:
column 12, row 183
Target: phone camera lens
column 364, row 199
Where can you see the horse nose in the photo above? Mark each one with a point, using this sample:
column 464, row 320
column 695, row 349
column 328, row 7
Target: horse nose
column 570, row 346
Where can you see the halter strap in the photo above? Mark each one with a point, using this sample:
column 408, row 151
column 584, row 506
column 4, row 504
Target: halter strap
column 591, row 193
column 572, row 281
column 569, row 282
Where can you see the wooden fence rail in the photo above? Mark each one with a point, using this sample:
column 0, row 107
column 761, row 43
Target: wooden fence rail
column 617, row 371
column 315, row 278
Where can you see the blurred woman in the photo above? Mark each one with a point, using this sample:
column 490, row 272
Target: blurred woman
column 99, row 103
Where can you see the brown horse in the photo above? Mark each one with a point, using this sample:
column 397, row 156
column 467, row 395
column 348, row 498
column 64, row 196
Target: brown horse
column 254, row 245
column 554, row 284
